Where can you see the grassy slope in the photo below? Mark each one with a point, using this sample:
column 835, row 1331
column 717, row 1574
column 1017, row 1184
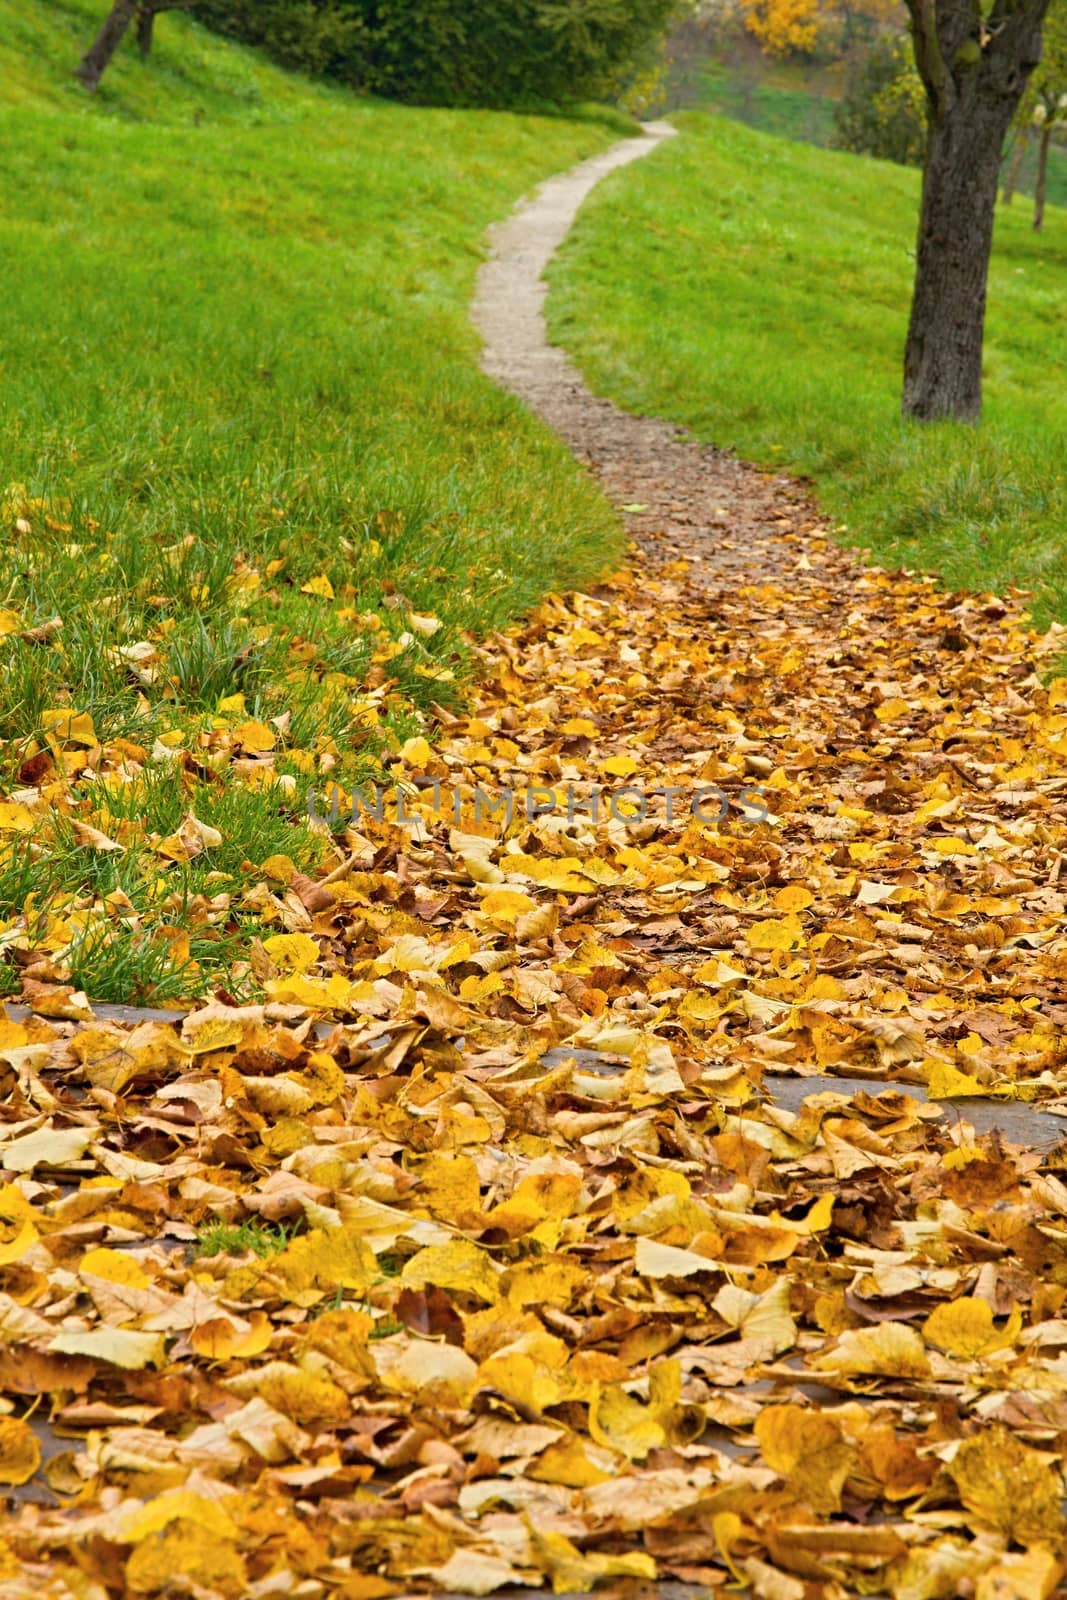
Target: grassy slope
column 758, row 290
column 794, row 102
column 771, row 97
column 237, row 360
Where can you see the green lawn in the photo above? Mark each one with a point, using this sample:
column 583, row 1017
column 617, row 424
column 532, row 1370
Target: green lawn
column 245, row 443
column 758, row 289
column 754, row 95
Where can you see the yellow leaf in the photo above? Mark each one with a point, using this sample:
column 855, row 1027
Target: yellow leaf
column 292, row 952
column 764, row 1319
column 321, row 1078
column 573, row 1572
column 18, row 1229
column 568, row 1462
column 624, row 1423
column 10, row 622
column 785, row 934
column 214, row 1027
column 435, row 1372
column 69, row 727
column 185, row 1552
column 535, row 1198
column 620, row 766
column 318, row 994
column 1010, row 1487
column 255, row 737
column 416, row 752
column 892, row 1349
column 1027, row 1575
column 458, row 1265
column 221, row 1339
column 948, row 846
column 321, row 1260
column 115, row 1266
column 527, row 1383
column 449, row 1187
column 48, row 1146
column 946, row 1082
column 308, row 1398
column 15, row 817
column 120, row 1347
column 962, row 1327
column 320, row 586
column 475, row 990
column 547, row 1281
column 20, row 1453
column 342, row 1335
column 208, row 1514
column 93, row 839
column 655, row 1260
column 727, row 1527
column 794, row 897
column 807, row 1449
column 505, row 905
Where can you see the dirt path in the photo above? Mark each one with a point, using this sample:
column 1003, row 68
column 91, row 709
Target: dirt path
column 747, row 554
column 720, row 514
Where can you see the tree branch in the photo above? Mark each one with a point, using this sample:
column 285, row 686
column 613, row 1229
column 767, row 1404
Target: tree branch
column 928, row 57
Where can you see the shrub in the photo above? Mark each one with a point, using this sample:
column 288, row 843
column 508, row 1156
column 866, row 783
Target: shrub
column 884, row 112
column 458, row 52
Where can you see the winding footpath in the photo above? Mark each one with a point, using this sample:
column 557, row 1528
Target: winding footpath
column 755, row 557
column 720, row 514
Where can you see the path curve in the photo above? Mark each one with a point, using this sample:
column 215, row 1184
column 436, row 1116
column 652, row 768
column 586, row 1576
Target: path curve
column 720, row 514
column 508, row 308
column 750, row 547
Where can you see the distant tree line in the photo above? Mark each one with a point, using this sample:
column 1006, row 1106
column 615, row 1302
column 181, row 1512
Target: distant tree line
column 457, row 52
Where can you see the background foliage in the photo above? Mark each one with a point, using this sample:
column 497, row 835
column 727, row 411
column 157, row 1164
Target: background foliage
column 458, row 52
column 883, row 112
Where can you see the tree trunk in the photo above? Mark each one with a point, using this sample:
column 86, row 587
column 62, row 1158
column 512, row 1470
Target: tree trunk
column 1011, row 177
column 974, row 73
column 1042, row 176
column 146, row 17
column 107, row 41
column 943, row 360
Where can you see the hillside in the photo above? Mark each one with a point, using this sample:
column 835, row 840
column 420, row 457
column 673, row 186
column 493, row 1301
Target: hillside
column 797, row 100
column 246, row 443
column 776, row 326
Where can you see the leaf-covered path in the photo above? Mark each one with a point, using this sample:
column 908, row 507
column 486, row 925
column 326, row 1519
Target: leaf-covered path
column 485, row 1252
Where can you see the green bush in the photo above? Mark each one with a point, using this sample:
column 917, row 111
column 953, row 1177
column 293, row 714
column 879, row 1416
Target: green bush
column 884, row 111
column 458, row 52
column 322, row 37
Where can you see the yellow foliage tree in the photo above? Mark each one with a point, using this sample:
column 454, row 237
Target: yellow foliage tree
column 782, row 26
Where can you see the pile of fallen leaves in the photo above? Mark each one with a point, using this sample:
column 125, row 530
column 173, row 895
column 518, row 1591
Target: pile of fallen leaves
column 561, row 1297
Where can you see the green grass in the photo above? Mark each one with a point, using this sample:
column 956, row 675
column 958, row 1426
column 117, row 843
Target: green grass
column 236, row 362
column 215, row 1237
column 796, row 101
column 758, row 290
column 756, row 97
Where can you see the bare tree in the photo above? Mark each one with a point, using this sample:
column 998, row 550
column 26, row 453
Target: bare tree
column 974, row 69
column 95, row 60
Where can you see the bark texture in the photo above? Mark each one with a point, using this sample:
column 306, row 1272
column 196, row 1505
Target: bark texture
column 95, row 60
column 1011, row 177
column 146, row 21
column 1042, row 177
column 974, row 71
